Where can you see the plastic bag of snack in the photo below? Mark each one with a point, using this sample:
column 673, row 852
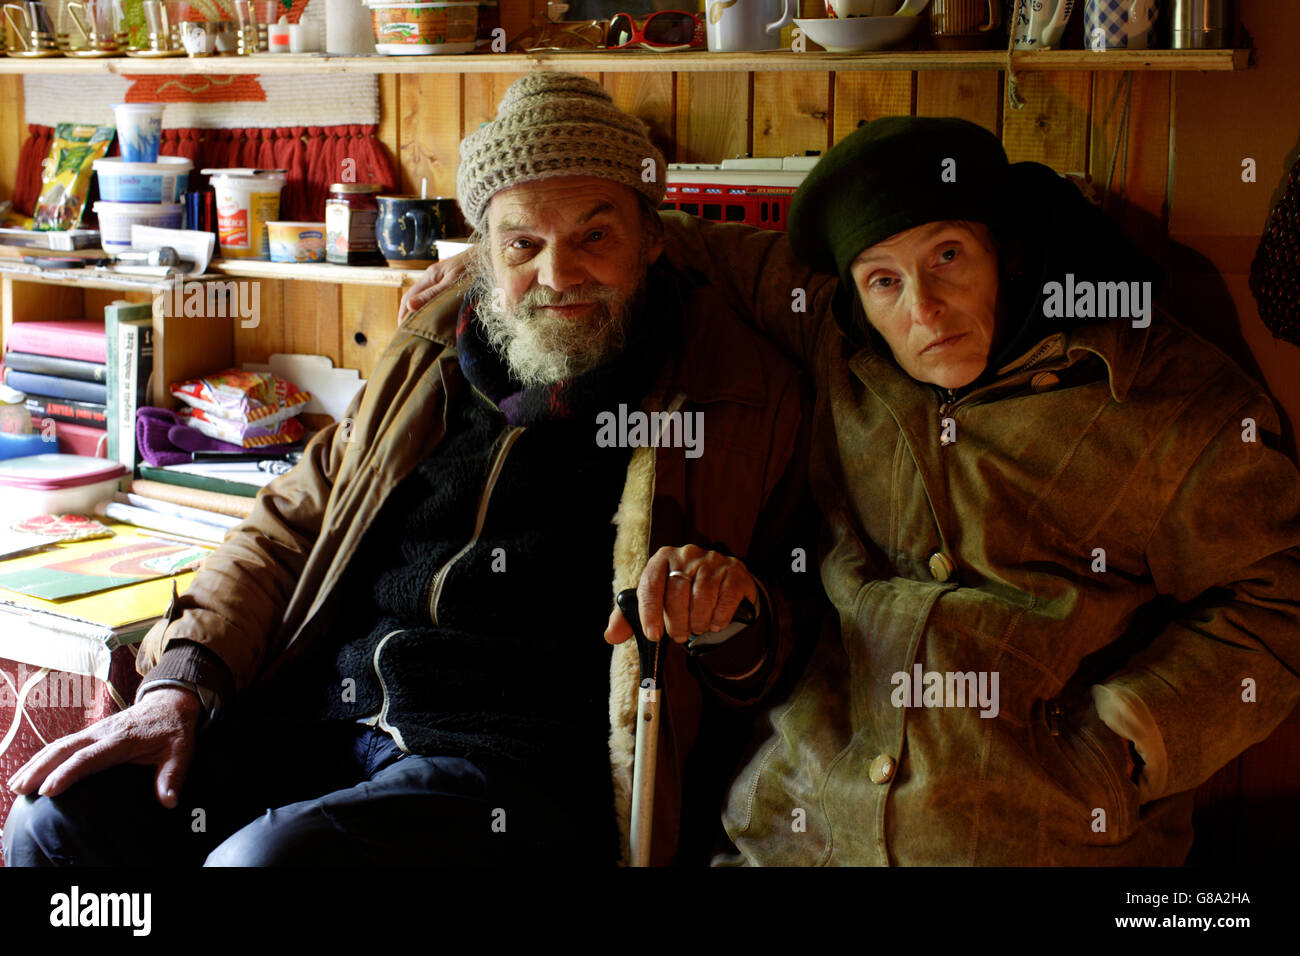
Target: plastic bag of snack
column 243, row 397
column 65, row 179
column 248, row 434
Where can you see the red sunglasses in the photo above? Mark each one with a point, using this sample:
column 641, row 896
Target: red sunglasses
column 664, row 30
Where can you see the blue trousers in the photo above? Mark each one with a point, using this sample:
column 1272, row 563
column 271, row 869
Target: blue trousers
column 312, row 793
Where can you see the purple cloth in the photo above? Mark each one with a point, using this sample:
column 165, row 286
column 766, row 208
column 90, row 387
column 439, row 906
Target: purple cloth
column 164, row 440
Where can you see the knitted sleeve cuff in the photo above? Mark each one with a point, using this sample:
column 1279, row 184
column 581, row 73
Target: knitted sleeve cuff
column 192, row 662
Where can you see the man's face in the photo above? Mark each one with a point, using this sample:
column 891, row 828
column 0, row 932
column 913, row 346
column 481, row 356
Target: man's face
column 932, row 293
column 568, row 255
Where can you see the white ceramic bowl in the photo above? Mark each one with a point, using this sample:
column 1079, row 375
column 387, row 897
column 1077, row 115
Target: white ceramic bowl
column 858, row 34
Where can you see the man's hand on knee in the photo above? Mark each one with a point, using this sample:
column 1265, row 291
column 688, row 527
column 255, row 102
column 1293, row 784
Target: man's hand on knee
column 159, row 729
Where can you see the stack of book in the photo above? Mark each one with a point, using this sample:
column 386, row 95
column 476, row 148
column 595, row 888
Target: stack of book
column 85, row 376
column 62, row 368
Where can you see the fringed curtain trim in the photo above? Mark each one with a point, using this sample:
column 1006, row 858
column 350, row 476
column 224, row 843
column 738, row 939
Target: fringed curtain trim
column 27, row 181
column 315, row 157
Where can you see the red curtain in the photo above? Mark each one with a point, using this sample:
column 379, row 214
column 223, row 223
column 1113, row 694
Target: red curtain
column 27, row 181
column 315, row 157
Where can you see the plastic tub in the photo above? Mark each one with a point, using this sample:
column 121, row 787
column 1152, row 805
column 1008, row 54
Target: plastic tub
column 160, row 182
column 247, row 199
column 117, row 218
column 56, row 484
column 297, row 241
column 404, row 29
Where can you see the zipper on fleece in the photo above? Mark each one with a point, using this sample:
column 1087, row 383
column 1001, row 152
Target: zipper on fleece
column 504, row 443
column 382, row 718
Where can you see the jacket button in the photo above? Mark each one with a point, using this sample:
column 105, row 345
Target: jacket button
column 1044, row 380
column 882, row 768
column 941, row 567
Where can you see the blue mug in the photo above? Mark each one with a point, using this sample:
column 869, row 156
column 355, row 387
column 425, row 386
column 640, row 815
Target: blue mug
column 408, row 230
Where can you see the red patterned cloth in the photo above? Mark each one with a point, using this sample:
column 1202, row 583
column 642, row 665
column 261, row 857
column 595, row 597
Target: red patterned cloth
column 55, row 704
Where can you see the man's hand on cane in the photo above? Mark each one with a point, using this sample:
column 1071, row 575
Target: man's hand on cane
column 686, row 591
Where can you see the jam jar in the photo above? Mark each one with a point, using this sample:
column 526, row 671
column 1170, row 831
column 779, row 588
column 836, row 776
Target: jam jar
column 350, row 216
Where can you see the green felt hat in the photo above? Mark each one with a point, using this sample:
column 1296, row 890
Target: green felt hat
column 890, row 175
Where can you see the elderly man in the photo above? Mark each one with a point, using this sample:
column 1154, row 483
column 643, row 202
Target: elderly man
column 404, row 634
column 1063, row 545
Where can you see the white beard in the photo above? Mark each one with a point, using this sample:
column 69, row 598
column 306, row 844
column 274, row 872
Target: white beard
column 541, row 348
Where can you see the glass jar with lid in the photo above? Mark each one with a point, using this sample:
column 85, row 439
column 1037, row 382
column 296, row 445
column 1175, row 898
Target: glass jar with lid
column 351, row 213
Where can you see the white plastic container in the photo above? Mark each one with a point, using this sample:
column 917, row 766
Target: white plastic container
column 56, row 484
column 117, row 218
column 405, row 29
column 247, row 199
column 139, row 130
column 160, row 182
column 347, row 28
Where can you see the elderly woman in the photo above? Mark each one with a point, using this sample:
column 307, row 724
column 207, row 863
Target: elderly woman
column 1064, row 556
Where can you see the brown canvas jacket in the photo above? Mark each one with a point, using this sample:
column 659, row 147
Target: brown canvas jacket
column 1102, row 441
column 270, row 590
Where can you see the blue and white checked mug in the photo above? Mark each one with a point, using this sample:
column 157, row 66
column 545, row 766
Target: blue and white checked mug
column 1119, row 24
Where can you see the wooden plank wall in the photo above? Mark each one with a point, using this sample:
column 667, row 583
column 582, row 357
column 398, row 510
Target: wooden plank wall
column 707, row 117
column 13, row 130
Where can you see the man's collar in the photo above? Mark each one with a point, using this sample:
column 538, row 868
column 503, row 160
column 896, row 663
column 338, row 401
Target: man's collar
column 436, row 320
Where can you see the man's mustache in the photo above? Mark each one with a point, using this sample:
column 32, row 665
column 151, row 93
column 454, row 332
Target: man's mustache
column 541, row 297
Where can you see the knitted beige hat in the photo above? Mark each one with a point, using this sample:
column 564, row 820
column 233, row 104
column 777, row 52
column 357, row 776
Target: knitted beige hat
column 555, row 124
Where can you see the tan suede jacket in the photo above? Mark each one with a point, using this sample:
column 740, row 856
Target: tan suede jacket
column 270, row 589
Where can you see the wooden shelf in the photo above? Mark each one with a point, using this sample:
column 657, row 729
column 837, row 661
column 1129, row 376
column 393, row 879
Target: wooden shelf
column 645, row 62
column 82, row 278
column 315, row 272
column 236, row 268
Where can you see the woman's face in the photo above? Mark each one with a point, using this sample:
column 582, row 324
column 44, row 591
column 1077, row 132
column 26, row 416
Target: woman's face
column 932, row 293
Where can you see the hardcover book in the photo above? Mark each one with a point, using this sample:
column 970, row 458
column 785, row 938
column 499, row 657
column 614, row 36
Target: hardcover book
column 41, row 407
column 57, row 365
column 77, row 439
column 56, row 387
column 70, row 338
column 129, row 334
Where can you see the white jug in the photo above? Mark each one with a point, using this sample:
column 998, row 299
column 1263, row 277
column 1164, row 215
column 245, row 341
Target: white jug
column 735, row 25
